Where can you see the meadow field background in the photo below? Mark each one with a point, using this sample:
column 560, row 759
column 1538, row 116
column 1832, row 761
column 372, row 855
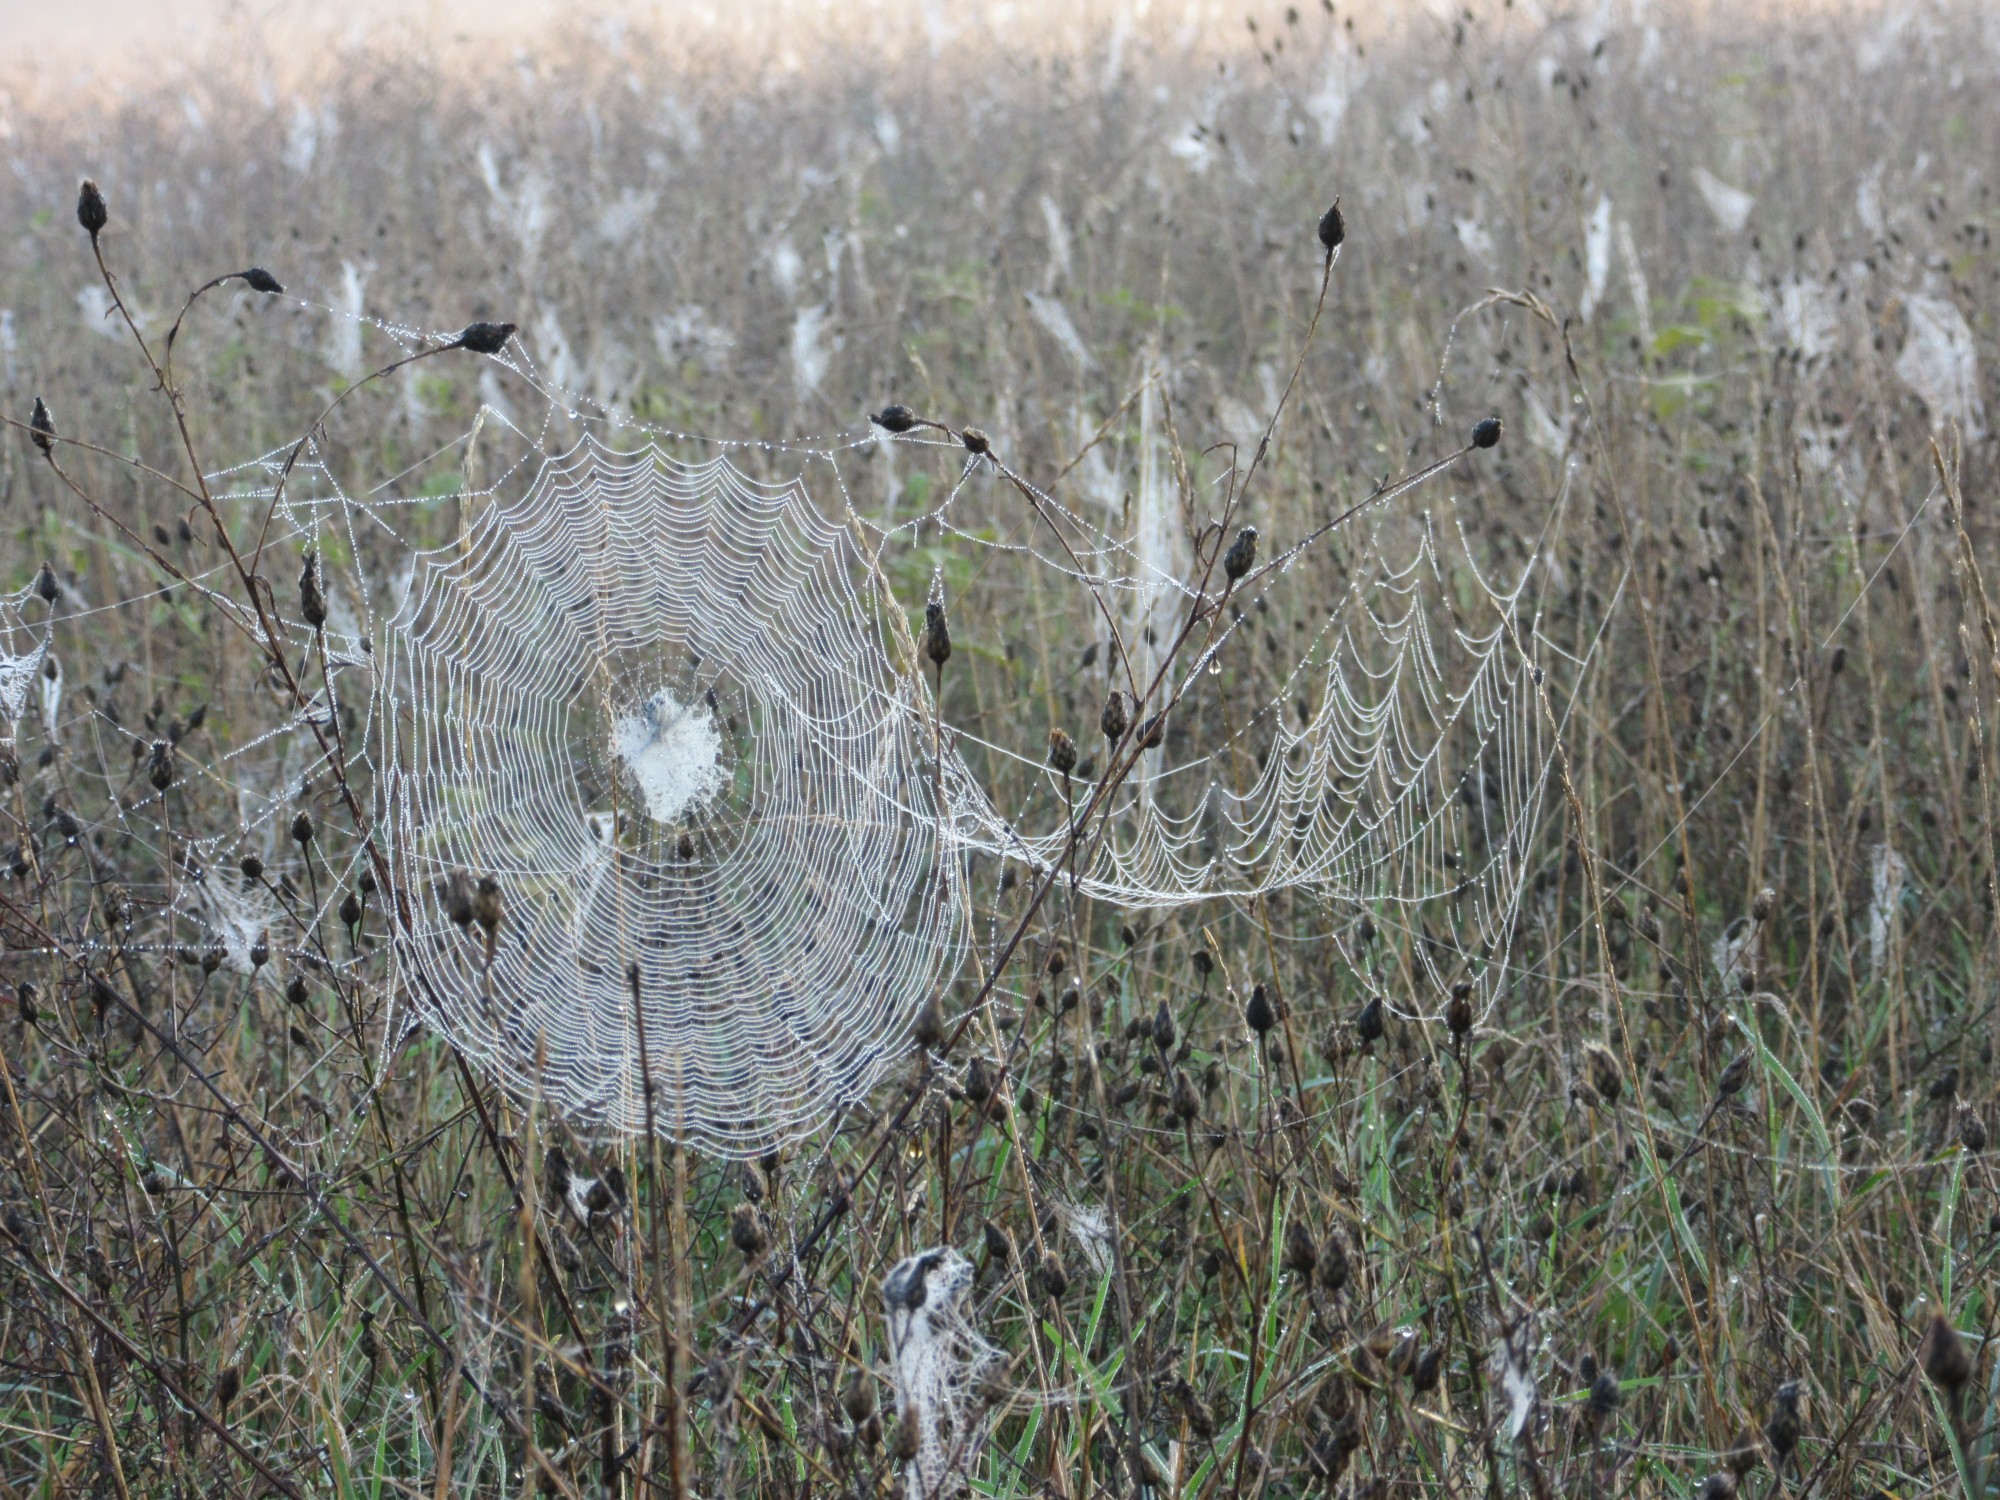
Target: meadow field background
column 1691, row 1191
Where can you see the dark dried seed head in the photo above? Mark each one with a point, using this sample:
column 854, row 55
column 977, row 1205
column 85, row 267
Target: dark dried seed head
column 1163, row 1028
column 1301, row 1254
column 857, row 1395
column 484, row 338
column 260, row 950
column 90, row 210
column 1054, row 1279
column 312, row 592
column 1185, row 1101
column 1763, row 904
column 1605, row 1394
column 42, row 428
column 260, row 280
column 975, row 441
column 1943, row 1356
column 1458, row 1010
column 488, row 906
column 999, row 1245
column 1242, row 554
column 252, row 867
column 1332, row 1268
column 1062, row 751
column 456, row 897
column 1332, row 228
column 1486, row 432
column 302, row 829
column 937, row 635
column 1115, row 719
column 1259, row 1011
column 927, row 1029
column 1371, row 1022
column 747, row 1232
column 978, row 1080
column 1971, row 1128
column 1607, row 1080
column 894, row 418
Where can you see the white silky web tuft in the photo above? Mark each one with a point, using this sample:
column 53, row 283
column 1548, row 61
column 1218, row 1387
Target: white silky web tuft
column 649, row 700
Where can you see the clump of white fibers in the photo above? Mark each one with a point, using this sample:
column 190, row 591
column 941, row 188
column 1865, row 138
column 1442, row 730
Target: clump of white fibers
column 673, row 753
column 938, row 1361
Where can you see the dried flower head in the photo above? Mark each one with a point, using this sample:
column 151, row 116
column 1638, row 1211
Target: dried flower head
column 260, row 280
column 483, row 338
column 90, row 210
column 894, row 418
column 42, row 428
column 1486, row 432
column 1114, row 720
column 1242, row 554
column 1062, row 751
column 1332, row 228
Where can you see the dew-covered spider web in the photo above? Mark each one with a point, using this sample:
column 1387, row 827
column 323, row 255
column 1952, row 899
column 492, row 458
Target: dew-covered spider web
column 622, row 747
column 647, row 699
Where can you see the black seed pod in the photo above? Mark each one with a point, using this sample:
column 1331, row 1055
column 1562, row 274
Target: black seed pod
column 260, row 950
column 1486, row 432
column 1332, row 1267
column 857, row 1395
column 747, row 1232
column 1332, row 228
column 937, row 635
column 978, row 1081
column 975, row 441
column 42, row 428
column 90, row 210
column 252, row 867
column 302, row 829
column 227, row 1383
column 1607, row 1080
column 1782, row 1430
column 484, row 338
column 1370, row 1023
column 1259, row 1012
column 1062, row 751
column 1605, row 1394
column 1114, row 721
column 1153, row 733
column 1054, row 1279
column 1242, row 554
column 1163, row 1028
column 312, row 592
column 1301, row 1254
column 1763, row 904
column 295, row 990
column 894, row 418
column 260, row 280
column 1185, row 1100
column 1944, row 1359
column 1430, row 1365
column 999, row 1247
column 927, row 1030
column 488, row 907
column 1458, row 1010
column 350, row 910
column 1971, row 1129
column 456, row 898
column 160, row 769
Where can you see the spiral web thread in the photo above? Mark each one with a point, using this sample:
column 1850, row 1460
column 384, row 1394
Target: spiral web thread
column 648, row 700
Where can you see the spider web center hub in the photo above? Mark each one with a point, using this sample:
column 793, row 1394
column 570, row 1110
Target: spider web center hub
column 672, row 752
